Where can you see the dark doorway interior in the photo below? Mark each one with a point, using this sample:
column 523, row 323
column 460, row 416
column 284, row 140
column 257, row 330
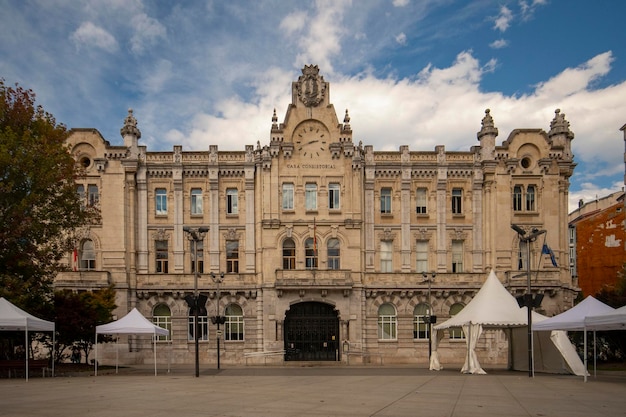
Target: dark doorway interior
column 311, row 332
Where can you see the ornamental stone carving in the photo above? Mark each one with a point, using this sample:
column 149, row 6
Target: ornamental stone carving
column 311, row 86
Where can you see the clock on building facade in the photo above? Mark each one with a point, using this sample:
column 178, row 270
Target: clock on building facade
column 311, row 140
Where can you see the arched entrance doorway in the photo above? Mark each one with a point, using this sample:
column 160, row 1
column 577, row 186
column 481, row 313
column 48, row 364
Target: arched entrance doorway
column 311, row 332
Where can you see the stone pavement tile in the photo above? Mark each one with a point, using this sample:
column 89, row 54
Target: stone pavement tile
column 313, row 392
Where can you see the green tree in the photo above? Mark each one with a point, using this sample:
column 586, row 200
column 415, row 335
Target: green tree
column 77, row 315
column 39, row 207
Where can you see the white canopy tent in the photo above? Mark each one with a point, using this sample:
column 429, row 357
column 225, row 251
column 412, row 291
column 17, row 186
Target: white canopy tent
column 494, row 307
column 13, row 318
column 610, row 320
column 132, row 323
column 574, row 320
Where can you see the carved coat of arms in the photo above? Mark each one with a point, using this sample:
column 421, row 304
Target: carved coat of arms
column 311, row 86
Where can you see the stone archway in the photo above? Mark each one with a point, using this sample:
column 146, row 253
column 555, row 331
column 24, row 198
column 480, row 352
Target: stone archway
column 311, row 332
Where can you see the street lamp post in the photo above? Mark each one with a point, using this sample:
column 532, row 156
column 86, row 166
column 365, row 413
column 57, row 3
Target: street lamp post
column 430, row 319
column 195, row 235
column 218, row 319
column 528, row 298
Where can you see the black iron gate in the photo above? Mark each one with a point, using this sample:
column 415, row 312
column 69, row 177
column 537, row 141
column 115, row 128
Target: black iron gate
column 311, row 332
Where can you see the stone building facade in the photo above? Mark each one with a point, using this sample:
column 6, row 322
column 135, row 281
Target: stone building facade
column 329, row 249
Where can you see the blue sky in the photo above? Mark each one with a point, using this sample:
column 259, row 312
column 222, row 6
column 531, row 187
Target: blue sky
column 410, row 72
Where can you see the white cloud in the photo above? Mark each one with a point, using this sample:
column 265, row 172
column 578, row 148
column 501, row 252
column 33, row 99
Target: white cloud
column 147, row 32
column 499, row 44
column 321, row 39
column 293, row 22
column 441, row 106
column 400, row 3
column 503, row 20
column 528, row 9
column 401, row 39
column 88, row 35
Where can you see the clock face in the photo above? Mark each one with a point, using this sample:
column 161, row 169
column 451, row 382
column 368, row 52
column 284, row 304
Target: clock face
column 311, row 140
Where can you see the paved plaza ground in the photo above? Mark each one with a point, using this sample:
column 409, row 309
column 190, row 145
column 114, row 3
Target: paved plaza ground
column 281, row 391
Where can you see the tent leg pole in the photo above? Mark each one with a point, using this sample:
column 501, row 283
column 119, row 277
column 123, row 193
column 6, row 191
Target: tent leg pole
column 585, row 350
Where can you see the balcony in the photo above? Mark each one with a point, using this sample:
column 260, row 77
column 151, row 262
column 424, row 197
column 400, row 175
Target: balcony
column 82, row 279
column 291, row 279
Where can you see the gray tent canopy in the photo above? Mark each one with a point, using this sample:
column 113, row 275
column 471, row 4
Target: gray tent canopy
column 132, row 323
column 13, row 318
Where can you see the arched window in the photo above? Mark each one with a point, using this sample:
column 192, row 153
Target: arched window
column 87, row 255
column 233, row 328
column 162, row 317
column 456, row 332
column 333, row 254
column 517, row 198
column 420, row 327
column 310, row 253
column 289, row 254
column 530, row 198
column 387, row 322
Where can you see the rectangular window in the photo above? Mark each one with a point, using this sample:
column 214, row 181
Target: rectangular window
column 232, row 256
column 310, row 253
column 161, row 251
column 93, row 195
column 196, row 201
column 161, row 201
column 457, row 198
column 288, row 196
column 231, row 201
column 80, row 190
column 199, row 254
column 421, row 254
column 233, row 328
column 387, row 327
column 333, row 254
column 203, row 323
column 386, row 256
column 289, row 254
column 457, row 256
column 522, row 254
column 333, row 196
column 385, row 200
column 310, row 196
column 530, row 198
column 420, row 327
column 420, row 197
column 166, row 323
column 517, row 198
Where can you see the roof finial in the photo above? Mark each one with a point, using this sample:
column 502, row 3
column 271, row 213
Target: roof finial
column 130, row 126
column 559, row 125
column 274, row 121
column 346, row 122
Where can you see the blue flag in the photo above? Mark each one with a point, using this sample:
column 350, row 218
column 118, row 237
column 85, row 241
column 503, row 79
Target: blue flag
column 547, row 251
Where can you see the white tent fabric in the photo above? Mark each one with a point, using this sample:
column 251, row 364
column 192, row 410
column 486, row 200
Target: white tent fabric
column 553, row 352
column 14, row 318
column 611, row 320
column 493, row 307
column 574, row 318
column 132, row 323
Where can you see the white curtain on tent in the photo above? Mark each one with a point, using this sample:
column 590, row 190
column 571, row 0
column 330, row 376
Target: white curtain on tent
column 435, row 365
column 472, row 334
